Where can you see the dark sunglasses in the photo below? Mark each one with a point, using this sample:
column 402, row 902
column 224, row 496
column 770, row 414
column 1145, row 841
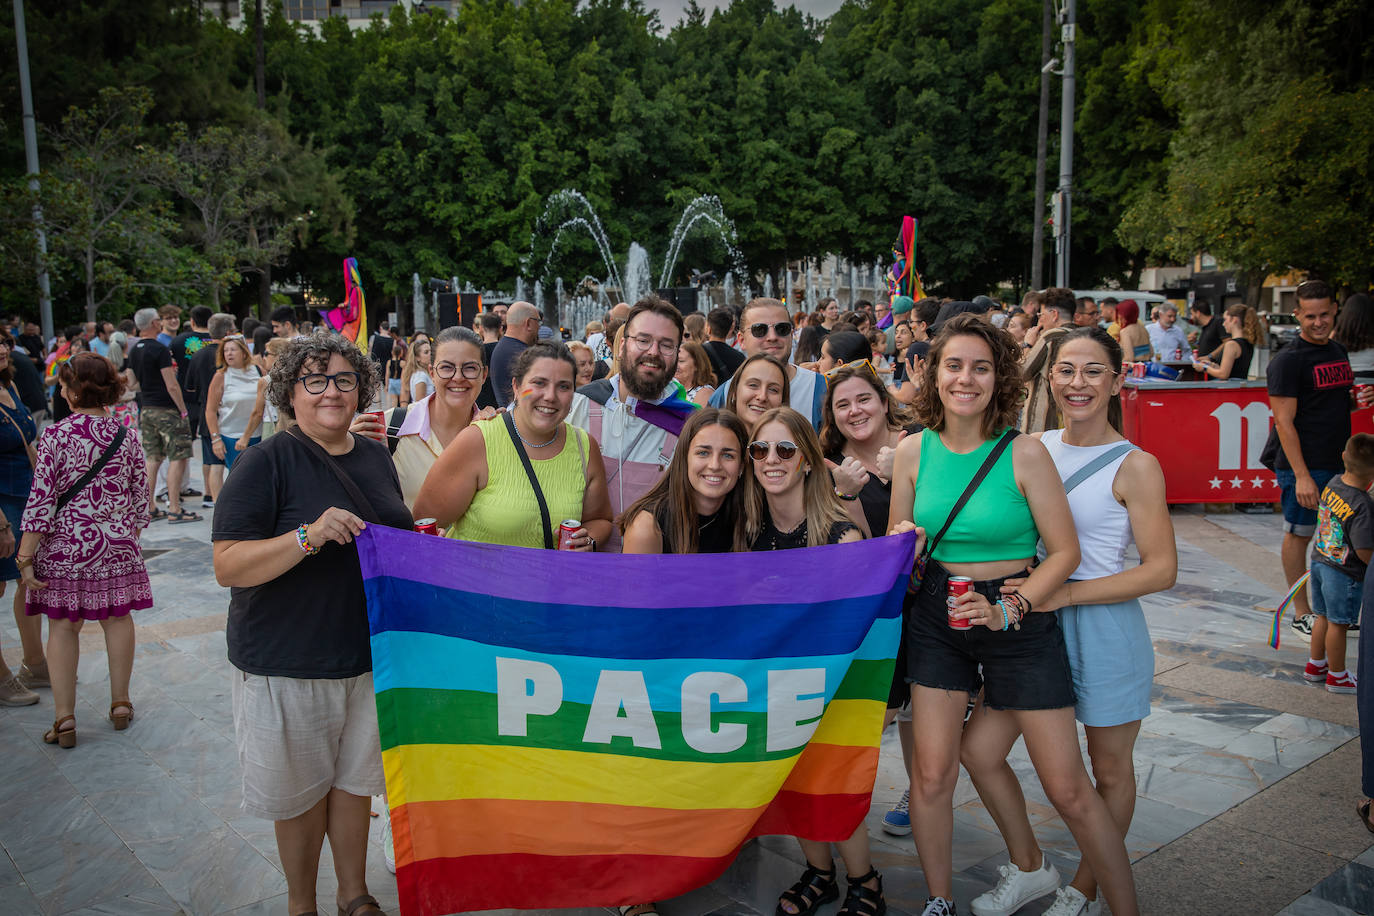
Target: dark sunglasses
column 759, row 450
column 760, row 330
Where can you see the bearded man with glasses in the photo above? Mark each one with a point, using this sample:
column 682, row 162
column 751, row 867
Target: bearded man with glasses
column 624, row 412
column 767, row 329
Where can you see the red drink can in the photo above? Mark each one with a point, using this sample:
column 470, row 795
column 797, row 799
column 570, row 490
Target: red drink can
column 958, row 585
column 427, row 526
column 1360, row 389
column 565, row 533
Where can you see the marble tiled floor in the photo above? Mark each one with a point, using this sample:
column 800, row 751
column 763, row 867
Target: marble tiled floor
column 147, row 821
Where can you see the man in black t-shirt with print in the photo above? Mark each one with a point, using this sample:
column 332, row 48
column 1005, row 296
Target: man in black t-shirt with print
column 1310, row 386
column 162, row 420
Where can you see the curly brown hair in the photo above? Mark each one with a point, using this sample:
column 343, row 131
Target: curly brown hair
column 91, row 380
column 1009, row 388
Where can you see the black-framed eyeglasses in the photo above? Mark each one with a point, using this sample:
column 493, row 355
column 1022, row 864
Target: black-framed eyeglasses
column 759, row 450
column 317, row 382
column 449, row 370
column 760, row 330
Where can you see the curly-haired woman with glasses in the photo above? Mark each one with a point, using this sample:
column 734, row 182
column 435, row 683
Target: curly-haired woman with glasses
column 304, row 710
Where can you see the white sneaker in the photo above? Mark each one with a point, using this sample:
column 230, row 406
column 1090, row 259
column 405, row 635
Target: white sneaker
column 388, row 846
column 1016, row 888
column 1069, row 901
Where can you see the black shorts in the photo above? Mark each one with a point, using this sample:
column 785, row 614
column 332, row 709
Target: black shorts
column 1021, row 669
column 207, row 451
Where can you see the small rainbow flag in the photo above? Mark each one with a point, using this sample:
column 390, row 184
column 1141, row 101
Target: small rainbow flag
column 562, row 729
column 1284, row 605
column 350, row 318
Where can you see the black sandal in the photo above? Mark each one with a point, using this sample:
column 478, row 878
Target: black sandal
column 814, row 889
column 863, row 901
column 1362, row 809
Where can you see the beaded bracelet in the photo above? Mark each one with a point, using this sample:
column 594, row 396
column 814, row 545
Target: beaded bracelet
column 1003, row 605
column 304, row 542
column 845, row 496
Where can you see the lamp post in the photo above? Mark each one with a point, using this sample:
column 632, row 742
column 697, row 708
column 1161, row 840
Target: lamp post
column 1064, row 210
column 31, row 163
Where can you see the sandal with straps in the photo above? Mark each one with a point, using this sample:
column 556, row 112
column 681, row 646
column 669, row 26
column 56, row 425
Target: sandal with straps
column 62, row 737
column 357, row 903
column 121, row 720
column 814, row 889
column 863, row 901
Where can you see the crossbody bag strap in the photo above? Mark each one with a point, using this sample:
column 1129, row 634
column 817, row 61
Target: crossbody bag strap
column 988, row 462
column 85, row 479
column 359, row 499
column 534, row 481
column 1097, row 464
column 393, row 429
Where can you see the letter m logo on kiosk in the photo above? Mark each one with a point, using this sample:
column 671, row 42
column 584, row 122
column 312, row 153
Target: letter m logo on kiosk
column 563, row 729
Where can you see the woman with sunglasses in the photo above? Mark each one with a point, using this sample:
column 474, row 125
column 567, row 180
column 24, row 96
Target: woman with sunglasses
column 861, row 427
column 305, row 714
column 760, row 384
column 968, row 402
column 1117, row 498
column 479, row 489
column 790, row 503
column 420, row 432
column 235, row 402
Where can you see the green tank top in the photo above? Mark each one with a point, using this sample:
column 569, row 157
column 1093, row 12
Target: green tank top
column 505, row 510
column 995, row 523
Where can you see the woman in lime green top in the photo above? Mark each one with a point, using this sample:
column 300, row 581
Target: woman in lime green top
column 968, row 402
column 479, row 489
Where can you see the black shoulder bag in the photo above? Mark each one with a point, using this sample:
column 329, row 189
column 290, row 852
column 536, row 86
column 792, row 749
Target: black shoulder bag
column 364, row 504
column 84, row 480
column 534, row 481
column 919, row 572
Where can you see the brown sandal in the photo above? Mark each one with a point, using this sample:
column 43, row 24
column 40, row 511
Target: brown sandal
column 357, row 903
column 62, row 737
column 121, row 720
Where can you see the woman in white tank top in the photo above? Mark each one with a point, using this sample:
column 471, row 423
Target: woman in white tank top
column 234, row 404
column 1116, row 494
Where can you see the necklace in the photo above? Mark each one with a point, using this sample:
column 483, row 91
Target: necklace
column 528, row 443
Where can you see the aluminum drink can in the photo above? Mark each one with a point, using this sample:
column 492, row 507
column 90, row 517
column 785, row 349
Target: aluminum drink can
column 427, row 526
column 565, row 533
column 958, row 585
column 1359, row 389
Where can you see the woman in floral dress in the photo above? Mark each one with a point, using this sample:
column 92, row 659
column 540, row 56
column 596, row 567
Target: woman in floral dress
column 82, row 561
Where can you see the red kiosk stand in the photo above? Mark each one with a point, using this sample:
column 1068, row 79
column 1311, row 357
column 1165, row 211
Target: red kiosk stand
column 1208, row 436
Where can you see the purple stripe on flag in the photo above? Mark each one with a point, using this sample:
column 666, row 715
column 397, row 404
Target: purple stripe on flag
column 833, row 573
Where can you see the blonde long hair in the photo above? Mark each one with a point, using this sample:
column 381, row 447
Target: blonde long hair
column 823, row 509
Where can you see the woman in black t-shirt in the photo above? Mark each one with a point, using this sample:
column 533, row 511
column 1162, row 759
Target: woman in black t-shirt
column 697, row 506
column 304, row 710
column 792, row 503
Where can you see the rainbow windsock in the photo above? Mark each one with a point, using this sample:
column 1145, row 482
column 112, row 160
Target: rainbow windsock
column 1284, row 605
column 902, row 277
column 564, row 729
column 350, row 319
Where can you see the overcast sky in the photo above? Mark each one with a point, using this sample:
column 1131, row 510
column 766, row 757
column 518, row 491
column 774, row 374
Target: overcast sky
column 670, row 11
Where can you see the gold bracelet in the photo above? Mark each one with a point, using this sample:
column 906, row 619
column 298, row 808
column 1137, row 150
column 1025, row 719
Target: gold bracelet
column 24, row 563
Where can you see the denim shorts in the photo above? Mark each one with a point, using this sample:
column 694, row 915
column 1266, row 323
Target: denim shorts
column 1298, row 519
column 1334, row 595
column 207, row 452
column 1021, row 669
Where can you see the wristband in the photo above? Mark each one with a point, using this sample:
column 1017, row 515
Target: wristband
column 1005, row 620
column 23, row 563
column 845, row 496
column 303, row 541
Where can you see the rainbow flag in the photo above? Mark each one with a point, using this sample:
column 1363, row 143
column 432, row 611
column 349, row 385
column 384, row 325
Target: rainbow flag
column 902, row 277
column 350, row 318
column 670, row 413
column 562, row 729
column 1276, row 626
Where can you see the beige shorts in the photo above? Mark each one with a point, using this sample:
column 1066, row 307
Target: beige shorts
column 300, row 737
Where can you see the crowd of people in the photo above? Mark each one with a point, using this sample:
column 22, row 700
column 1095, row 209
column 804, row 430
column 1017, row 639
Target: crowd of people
column 993, row 433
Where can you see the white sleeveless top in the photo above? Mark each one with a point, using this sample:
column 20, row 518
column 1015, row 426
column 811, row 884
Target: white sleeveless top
column 1104, row 527
column 236, row 404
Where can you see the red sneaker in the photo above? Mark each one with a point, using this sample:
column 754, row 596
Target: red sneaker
column 1314, row 672
column 1343, row 684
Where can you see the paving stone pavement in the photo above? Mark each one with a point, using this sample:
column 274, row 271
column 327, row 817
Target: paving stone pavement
column 1246, row 776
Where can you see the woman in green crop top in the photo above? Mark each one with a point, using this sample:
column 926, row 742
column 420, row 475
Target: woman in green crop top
column 480, row 487
column 968, row 402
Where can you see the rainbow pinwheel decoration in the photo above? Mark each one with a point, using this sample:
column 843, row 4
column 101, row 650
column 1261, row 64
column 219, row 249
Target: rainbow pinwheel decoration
column 350, row 318
column 902, row 278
